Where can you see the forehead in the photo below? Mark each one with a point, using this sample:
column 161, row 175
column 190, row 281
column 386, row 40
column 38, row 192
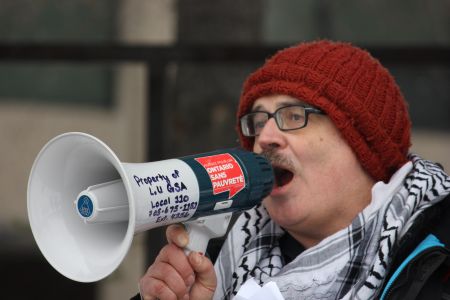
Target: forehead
column 275, row 101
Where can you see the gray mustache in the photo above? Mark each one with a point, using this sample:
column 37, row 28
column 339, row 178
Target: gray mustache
column 278, row 159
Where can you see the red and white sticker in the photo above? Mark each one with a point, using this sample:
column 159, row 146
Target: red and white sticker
column 225, row 173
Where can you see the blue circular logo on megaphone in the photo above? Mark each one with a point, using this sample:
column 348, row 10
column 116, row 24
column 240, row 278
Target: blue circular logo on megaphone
column 85, row 206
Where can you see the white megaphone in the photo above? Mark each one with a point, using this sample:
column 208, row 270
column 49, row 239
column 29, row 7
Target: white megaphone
column 84, row 205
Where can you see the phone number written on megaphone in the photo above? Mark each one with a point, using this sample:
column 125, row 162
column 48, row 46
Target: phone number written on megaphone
column 164, row 209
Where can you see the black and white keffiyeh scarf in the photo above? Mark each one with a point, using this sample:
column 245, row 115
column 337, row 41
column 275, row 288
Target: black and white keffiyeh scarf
column 350, row 264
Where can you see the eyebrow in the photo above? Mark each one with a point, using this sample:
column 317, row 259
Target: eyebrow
column 259, row 107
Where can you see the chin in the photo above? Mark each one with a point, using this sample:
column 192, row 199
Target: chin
column 277, row 211
column 284, row 211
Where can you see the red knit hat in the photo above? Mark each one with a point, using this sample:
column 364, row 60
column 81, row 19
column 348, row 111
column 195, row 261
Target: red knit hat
column 357, row 93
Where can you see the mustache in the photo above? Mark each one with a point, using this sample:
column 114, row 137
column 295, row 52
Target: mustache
column 278, row 159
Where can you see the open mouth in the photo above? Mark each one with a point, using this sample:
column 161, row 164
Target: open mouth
column 282, row 176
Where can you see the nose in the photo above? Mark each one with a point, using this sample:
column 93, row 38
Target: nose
column 271, row 137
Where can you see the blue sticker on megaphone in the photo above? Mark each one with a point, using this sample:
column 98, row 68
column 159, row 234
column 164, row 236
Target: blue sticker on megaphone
column 85, row 206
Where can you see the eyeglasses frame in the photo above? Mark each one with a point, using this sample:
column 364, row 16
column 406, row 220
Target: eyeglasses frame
column 308, row 110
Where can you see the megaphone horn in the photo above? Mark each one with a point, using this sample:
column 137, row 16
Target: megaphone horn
column 84, row 205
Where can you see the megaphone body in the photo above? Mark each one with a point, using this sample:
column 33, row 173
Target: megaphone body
column 85, row 206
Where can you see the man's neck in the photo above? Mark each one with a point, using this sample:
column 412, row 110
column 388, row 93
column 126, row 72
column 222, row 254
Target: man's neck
column 313, row 235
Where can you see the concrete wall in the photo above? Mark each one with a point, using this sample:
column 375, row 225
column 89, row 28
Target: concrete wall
column 432, row 145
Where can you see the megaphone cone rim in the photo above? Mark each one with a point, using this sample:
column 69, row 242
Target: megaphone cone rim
column 126, row 243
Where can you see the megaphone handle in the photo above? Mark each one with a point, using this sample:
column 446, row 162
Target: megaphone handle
column 203, row 229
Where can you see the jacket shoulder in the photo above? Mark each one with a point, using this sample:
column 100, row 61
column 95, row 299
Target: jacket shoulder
column 421, row 264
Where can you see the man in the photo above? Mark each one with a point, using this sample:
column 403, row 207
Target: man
column 350, row 206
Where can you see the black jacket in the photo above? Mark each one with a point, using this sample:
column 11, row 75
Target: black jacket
column 421, row 264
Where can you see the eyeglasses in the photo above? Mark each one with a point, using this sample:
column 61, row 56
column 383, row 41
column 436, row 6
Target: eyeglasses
column 289, row 117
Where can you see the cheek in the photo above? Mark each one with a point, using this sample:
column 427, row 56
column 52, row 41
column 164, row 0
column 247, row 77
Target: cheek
column 335, row 157
column 310, row 150
column 318, row 158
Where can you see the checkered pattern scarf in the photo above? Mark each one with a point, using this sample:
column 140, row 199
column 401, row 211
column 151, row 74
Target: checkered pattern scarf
column 350, row 264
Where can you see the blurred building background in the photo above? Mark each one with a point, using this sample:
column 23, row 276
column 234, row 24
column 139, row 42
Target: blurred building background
column 158, row 79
